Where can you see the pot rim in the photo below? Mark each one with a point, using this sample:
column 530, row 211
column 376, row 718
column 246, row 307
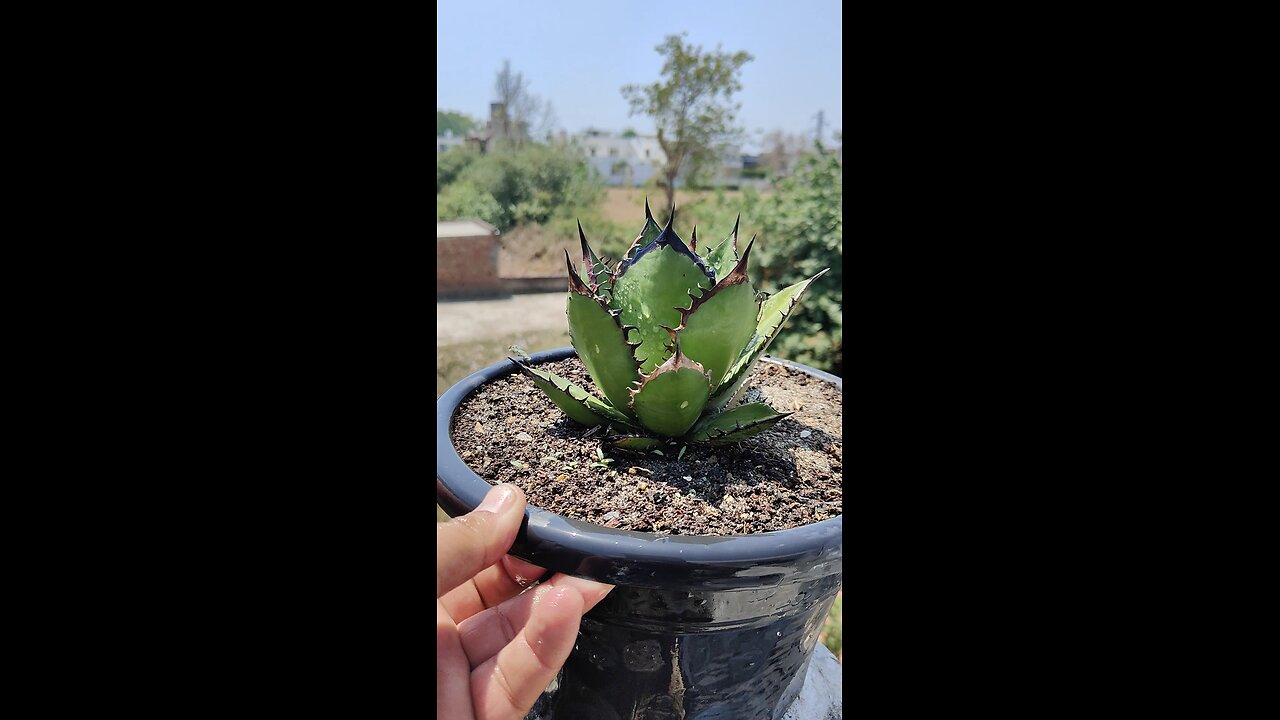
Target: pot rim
column 739, row 560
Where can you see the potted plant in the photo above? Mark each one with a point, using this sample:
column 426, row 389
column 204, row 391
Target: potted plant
column 715, row 615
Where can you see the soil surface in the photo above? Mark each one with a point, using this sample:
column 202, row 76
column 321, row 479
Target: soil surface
column 788, row 476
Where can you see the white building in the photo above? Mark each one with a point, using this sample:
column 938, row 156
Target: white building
column 630, row 161
column 626, row 161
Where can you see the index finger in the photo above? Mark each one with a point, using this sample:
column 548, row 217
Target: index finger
column 470, row 543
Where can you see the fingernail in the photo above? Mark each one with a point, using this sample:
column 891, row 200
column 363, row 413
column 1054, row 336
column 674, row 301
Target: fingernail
column 497, row 499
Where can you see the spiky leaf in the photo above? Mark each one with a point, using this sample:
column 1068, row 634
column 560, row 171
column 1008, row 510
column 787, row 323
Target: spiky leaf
column 718, row 325
column 595, row 272
column 604, row 274
column 637, row 442
column 602, row 347
column 647, row 234
column 724, row 256
column 575, row 401
column 773, row 313
column 671, row 398
column 737, row 424
column 648, row 289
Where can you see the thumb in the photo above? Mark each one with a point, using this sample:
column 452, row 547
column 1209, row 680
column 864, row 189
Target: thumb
column 470, row 543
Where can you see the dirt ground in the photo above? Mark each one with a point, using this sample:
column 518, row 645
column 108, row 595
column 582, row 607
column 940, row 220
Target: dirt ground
column 626, row 205
column 461, row 321
column 534, row 251
column 474, row 334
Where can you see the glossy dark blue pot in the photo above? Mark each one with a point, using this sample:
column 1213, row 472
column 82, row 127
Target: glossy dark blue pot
column 699, row 628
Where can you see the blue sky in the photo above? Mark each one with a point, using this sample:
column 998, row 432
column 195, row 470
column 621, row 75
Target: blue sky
column 578, row 54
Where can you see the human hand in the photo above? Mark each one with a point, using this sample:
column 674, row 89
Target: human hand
column 497, row 647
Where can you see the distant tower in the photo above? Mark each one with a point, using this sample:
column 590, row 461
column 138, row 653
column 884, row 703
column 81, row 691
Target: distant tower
column 498, row 120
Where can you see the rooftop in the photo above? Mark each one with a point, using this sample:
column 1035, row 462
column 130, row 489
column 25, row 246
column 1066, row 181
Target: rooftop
column 464, row 228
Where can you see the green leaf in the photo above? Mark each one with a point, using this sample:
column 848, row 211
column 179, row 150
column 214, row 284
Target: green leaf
column 734, row 425
column 724, row 256
column 773, row 313
column 648, row 290
column 603, row 349
column 671, row 398
column 718, row 325
column 604, row 274
column 749, row 413
column 576, row 402
column 637, row 442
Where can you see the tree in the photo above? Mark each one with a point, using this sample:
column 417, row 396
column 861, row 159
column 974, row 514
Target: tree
column 691, row 107
column 456, row 123
column 524, row 114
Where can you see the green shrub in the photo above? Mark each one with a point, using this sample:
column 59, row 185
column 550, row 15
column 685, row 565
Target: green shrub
column 802, row 232
column 800, row 229
column 451, row 164
column 463, row 200
column 533, row 184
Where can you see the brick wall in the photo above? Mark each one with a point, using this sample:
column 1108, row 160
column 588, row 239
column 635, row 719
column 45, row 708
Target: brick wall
column 467, row 267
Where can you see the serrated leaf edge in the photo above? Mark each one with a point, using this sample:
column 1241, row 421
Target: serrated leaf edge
column 667, row 238
column 737, row 276
column 715, row 402
column 678, row 361
column 620, row 418
column 712, row 435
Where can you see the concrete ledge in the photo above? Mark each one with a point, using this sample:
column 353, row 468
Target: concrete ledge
column 535, row 284
column 471, row 293
column 822, row 697
column 504, row 288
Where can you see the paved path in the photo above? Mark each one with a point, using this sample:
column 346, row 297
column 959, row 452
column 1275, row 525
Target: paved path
column 461, row 321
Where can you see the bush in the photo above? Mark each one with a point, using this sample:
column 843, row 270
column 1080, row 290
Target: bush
column 802, row 232
column 465, row 201
column 451, row 164
column 533, row 184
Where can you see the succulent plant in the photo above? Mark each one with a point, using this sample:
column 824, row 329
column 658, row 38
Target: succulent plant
column 669, row 337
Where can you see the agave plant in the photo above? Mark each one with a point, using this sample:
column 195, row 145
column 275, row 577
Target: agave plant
column 669, row 337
